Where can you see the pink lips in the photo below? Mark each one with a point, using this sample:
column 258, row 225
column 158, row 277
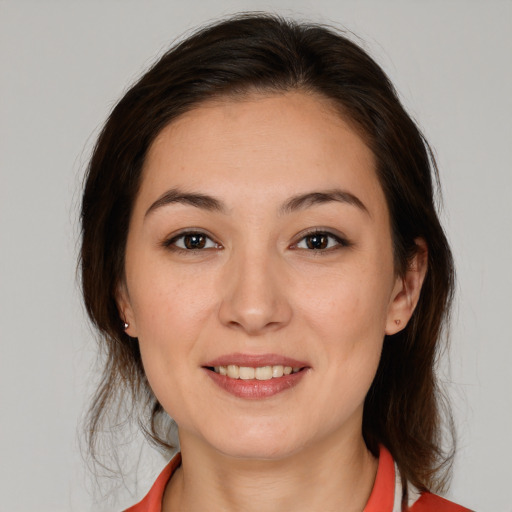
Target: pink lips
column 256, row 389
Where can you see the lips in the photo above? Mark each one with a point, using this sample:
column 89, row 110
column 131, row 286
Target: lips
column 255, row 376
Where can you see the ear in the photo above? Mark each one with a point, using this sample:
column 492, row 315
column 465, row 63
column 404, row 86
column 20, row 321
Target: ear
column 125, row 310
column 406, row 291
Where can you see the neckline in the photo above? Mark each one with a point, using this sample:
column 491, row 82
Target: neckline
column 381, row 498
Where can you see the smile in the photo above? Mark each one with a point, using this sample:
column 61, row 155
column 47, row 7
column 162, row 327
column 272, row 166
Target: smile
column 256, row 377
column 234, row 371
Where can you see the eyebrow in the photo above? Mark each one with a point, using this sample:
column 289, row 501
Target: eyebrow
column 309, row 199
column 298, row 202
column 176, row 196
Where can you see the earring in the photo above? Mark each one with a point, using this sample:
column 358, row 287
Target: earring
column 397, row 322
column 125, row 325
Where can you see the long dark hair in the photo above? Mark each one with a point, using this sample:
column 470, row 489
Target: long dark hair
column 265, row 53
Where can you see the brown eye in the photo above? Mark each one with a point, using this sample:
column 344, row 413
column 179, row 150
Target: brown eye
column 317, row 241
column 191, row 242
column 195, row 241
column 321, row 241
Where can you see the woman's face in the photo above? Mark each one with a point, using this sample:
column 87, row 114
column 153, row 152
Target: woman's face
column 259, row 241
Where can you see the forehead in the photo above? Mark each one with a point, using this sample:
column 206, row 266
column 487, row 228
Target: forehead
column 267, row 146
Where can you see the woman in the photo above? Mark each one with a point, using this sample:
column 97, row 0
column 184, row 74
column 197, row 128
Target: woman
column 262, row 256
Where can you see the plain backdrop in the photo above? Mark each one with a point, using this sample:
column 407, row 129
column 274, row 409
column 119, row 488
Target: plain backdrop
column 64, row 64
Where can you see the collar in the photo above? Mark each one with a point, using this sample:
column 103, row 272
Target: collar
column 382, row 498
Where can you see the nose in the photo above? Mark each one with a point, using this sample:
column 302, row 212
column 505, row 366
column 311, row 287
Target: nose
column 254, row 296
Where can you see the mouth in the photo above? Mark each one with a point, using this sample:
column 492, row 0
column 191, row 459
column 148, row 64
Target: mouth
column 256, row 376
column 233, row 371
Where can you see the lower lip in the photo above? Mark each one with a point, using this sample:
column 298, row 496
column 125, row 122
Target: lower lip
column 256, row 389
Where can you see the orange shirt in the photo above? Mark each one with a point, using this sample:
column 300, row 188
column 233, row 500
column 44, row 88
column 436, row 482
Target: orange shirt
column 385, row 497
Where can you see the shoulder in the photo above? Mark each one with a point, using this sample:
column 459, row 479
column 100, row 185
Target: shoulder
column 388, row 491
column 428, row 502
column 152, row 502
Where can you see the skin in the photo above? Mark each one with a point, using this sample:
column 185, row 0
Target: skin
column 257, row 288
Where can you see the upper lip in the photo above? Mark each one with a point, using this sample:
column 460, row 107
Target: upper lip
column 255, row 360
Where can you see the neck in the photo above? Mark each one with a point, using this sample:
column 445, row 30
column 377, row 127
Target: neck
column 326, row 477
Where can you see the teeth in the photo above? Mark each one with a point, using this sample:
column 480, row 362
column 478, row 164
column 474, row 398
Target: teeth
column 246, row 373
column 260, row 373
column 263, row 373
column 277, row 371
column 233, row 371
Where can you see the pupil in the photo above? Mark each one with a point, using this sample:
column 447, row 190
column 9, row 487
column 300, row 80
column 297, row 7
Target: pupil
column 317, row 242
column 195, row 241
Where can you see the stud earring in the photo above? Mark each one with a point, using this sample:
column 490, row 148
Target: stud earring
column 397, row 322
column 125, row 325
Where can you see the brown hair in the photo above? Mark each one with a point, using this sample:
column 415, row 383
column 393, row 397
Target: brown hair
column 262, row 52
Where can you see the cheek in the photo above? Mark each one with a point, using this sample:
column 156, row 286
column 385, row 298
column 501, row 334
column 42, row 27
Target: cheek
column 174, row 310
column 348, row 318
column 169, row 301
column 171, row 313
column 347, row 303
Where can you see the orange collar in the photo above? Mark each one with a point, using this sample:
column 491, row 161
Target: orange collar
column 382, row 497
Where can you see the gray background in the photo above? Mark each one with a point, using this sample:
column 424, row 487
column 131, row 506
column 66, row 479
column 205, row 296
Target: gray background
column 63, row 65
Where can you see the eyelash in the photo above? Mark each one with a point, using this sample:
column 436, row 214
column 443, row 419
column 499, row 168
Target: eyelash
column 339, row 242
